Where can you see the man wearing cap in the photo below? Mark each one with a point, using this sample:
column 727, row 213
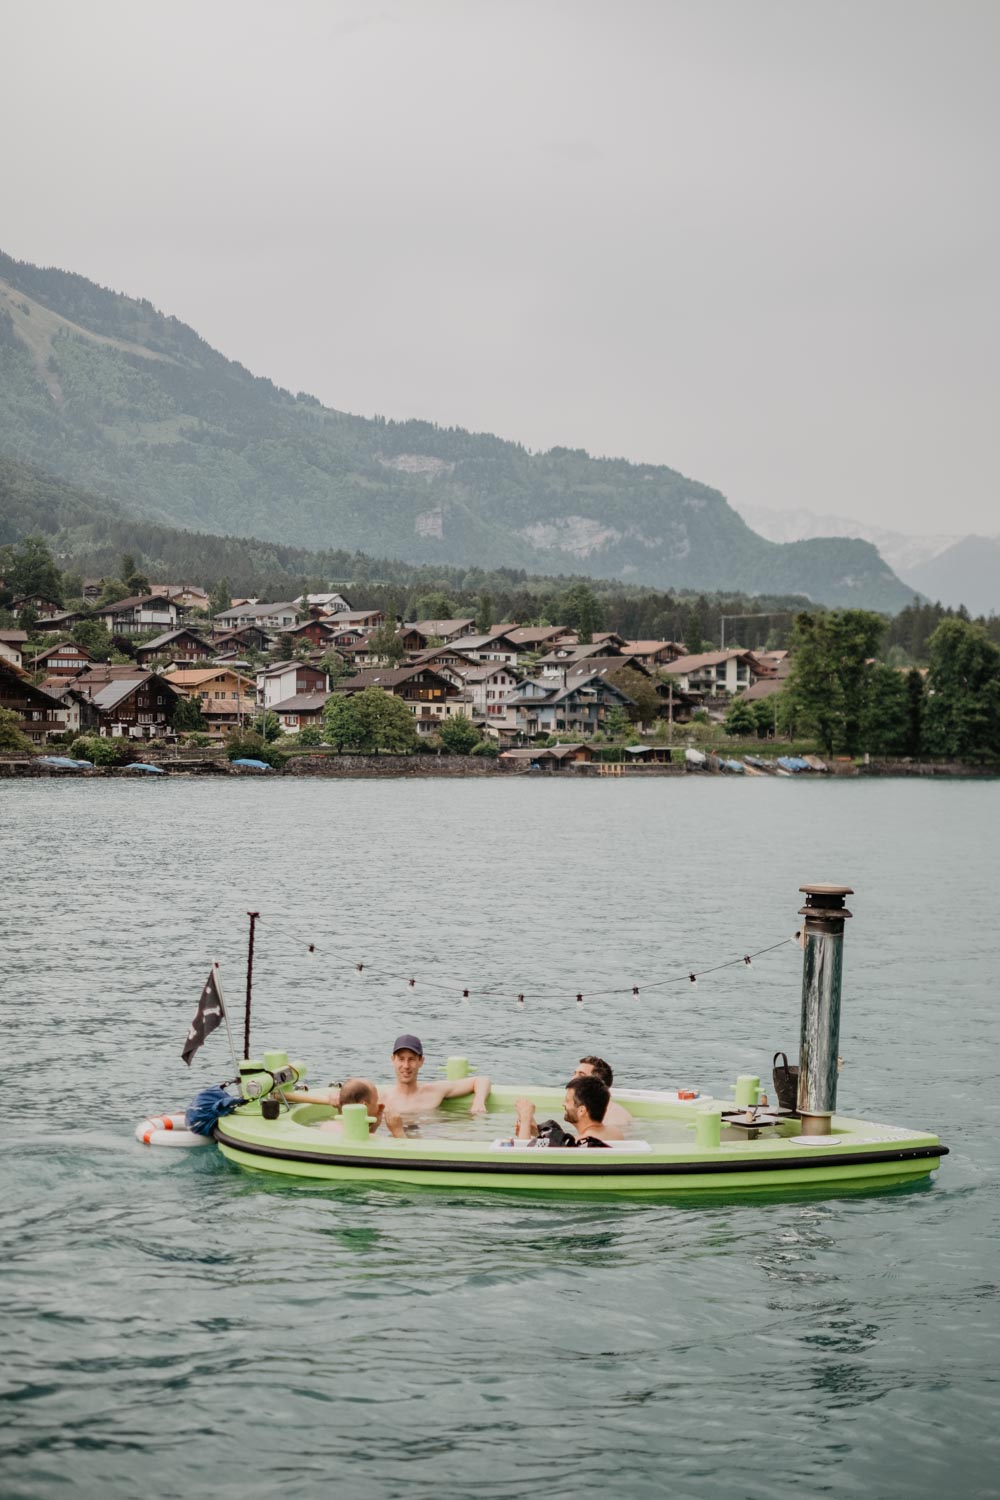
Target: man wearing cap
column 408, row 1096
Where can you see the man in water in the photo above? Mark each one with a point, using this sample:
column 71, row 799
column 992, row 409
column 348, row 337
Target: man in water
column 408, row 1096
column 596, row 1067
column 584, row 1106
column 361, row 1091
column 354, row 1091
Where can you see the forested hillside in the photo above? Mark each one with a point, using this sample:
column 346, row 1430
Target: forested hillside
column 114, row 396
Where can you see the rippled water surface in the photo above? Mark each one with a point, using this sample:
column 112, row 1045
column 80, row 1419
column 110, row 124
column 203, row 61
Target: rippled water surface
column 175, row 1326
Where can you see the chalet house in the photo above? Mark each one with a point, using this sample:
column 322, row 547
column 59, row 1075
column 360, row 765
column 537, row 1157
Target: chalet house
column 285, row 679
column 429, row 696
column 92, row 590
column 423, row 633
column 64, row 660
column 438, row 657
column 569, row 654
column 654, row 653
column 339, row 638
column 316, row 631
column 180, row 645
column 185, row 594
column 494, row 646
column 265, row 616
column 12, row 647
column 581, row 706
column 130, row 701
column 39, row 714
column 247, row 638
column 327, row 604
column 45, row 608
column 225, row 696
column 534, row 638
column 363, row 620
column 301, row 711
column 713, row 673
column 139, row 615
column 488, row 685
column 79, row 715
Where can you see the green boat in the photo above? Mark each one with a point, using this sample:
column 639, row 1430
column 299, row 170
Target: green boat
column 677, row 1143
column 700, row 1145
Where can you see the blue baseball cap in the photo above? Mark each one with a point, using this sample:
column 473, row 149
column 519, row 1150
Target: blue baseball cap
column 408, row 1043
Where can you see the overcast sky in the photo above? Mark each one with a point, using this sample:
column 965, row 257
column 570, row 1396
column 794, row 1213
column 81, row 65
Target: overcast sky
column 752, row 239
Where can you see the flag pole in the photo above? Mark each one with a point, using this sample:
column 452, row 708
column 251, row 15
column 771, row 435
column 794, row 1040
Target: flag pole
column 225, row 1013
column 253, row 915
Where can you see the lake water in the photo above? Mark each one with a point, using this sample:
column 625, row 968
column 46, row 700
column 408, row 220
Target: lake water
column 175, row 1326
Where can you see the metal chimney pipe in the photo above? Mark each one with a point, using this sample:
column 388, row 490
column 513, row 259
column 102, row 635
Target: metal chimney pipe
column 822, row 967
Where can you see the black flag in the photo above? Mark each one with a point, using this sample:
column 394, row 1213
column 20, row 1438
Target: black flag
column 207, row 1017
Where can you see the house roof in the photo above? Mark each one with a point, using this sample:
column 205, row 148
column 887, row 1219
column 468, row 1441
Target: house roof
column 173, row 635
column 763, row 689
column 603, row 666
column 195, row 676
column 134, row 601
column 300, row 703
column 649, row 648
column 386, row 677
column 442, row 628
column 685, row 664
column 528, row 635
column 482, row 671
column 257, row 611
column 481, row 642
column 13, row 637
column 280, row 667
column 61, row 646
column 577, row 653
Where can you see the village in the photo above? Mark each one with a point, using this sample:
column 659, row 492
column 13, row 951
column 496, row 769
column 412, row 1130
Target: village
column 539, row 695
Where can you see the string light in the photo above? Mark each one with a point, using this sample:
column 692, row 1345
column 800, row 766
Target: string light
column 442, row 983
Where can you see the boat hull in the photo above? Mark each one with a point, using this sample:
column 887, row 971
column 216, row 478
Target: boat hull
column 859, row 1153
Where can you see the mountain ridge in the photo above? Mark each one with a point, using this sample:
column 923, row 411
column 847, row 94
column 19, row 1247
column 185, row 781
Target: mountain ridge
column 118, row 398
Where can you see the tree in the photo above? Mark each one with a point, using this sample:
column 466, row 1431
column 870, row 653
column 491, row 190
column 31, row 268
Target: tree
column 435, row 606
column 459, row 735
column 740, row 720
column 311, row 735
column 11, row 735
column 267, row 725
column 335, row 666
column 962, row 716
column 93, row 637
column 188, row 716
column 368, row 722
column 484, row 614
column 221, row 597
column 885, row 723
column 642, row 690
column 386, row 643
column 247, row 745
column 283, row 648
column 617, row 724
column 113, row 590
column 579, row 609
column 136, row 582
column 828, row 688
column 765, row 715
column 31, row 569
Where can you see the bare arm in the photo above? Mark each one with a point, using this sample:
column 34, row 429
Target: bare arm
column 479, row 1087
column 326, row 1096
column 526, row 1127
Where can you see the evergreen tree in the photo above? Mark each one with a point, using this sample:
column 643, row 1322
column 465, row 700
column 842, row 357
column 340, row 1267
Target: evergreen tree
column 827, row 691
column 740, row 720
column 30, row 568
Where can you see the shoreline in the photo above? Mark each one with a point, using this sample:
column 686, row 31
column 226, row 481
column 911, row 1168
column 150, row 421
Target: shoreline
column 414, row 767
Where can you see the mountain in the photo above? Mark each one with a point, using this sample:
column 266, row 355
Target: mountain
column 952, row 569
column 112, row 395
column 968, row 572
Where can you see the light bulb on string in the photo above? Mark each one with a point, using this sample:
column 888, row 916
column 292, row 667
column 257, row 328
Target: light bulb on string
column 635, row 992
column 579, row 999
column 465, row 997
column 520, row 1002
column 412, row 983
column 746, row 960
column 694, row 980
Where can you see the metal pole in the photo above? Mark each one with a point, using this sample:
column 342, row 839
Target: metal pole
column 822, row 967
column 253, row 915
